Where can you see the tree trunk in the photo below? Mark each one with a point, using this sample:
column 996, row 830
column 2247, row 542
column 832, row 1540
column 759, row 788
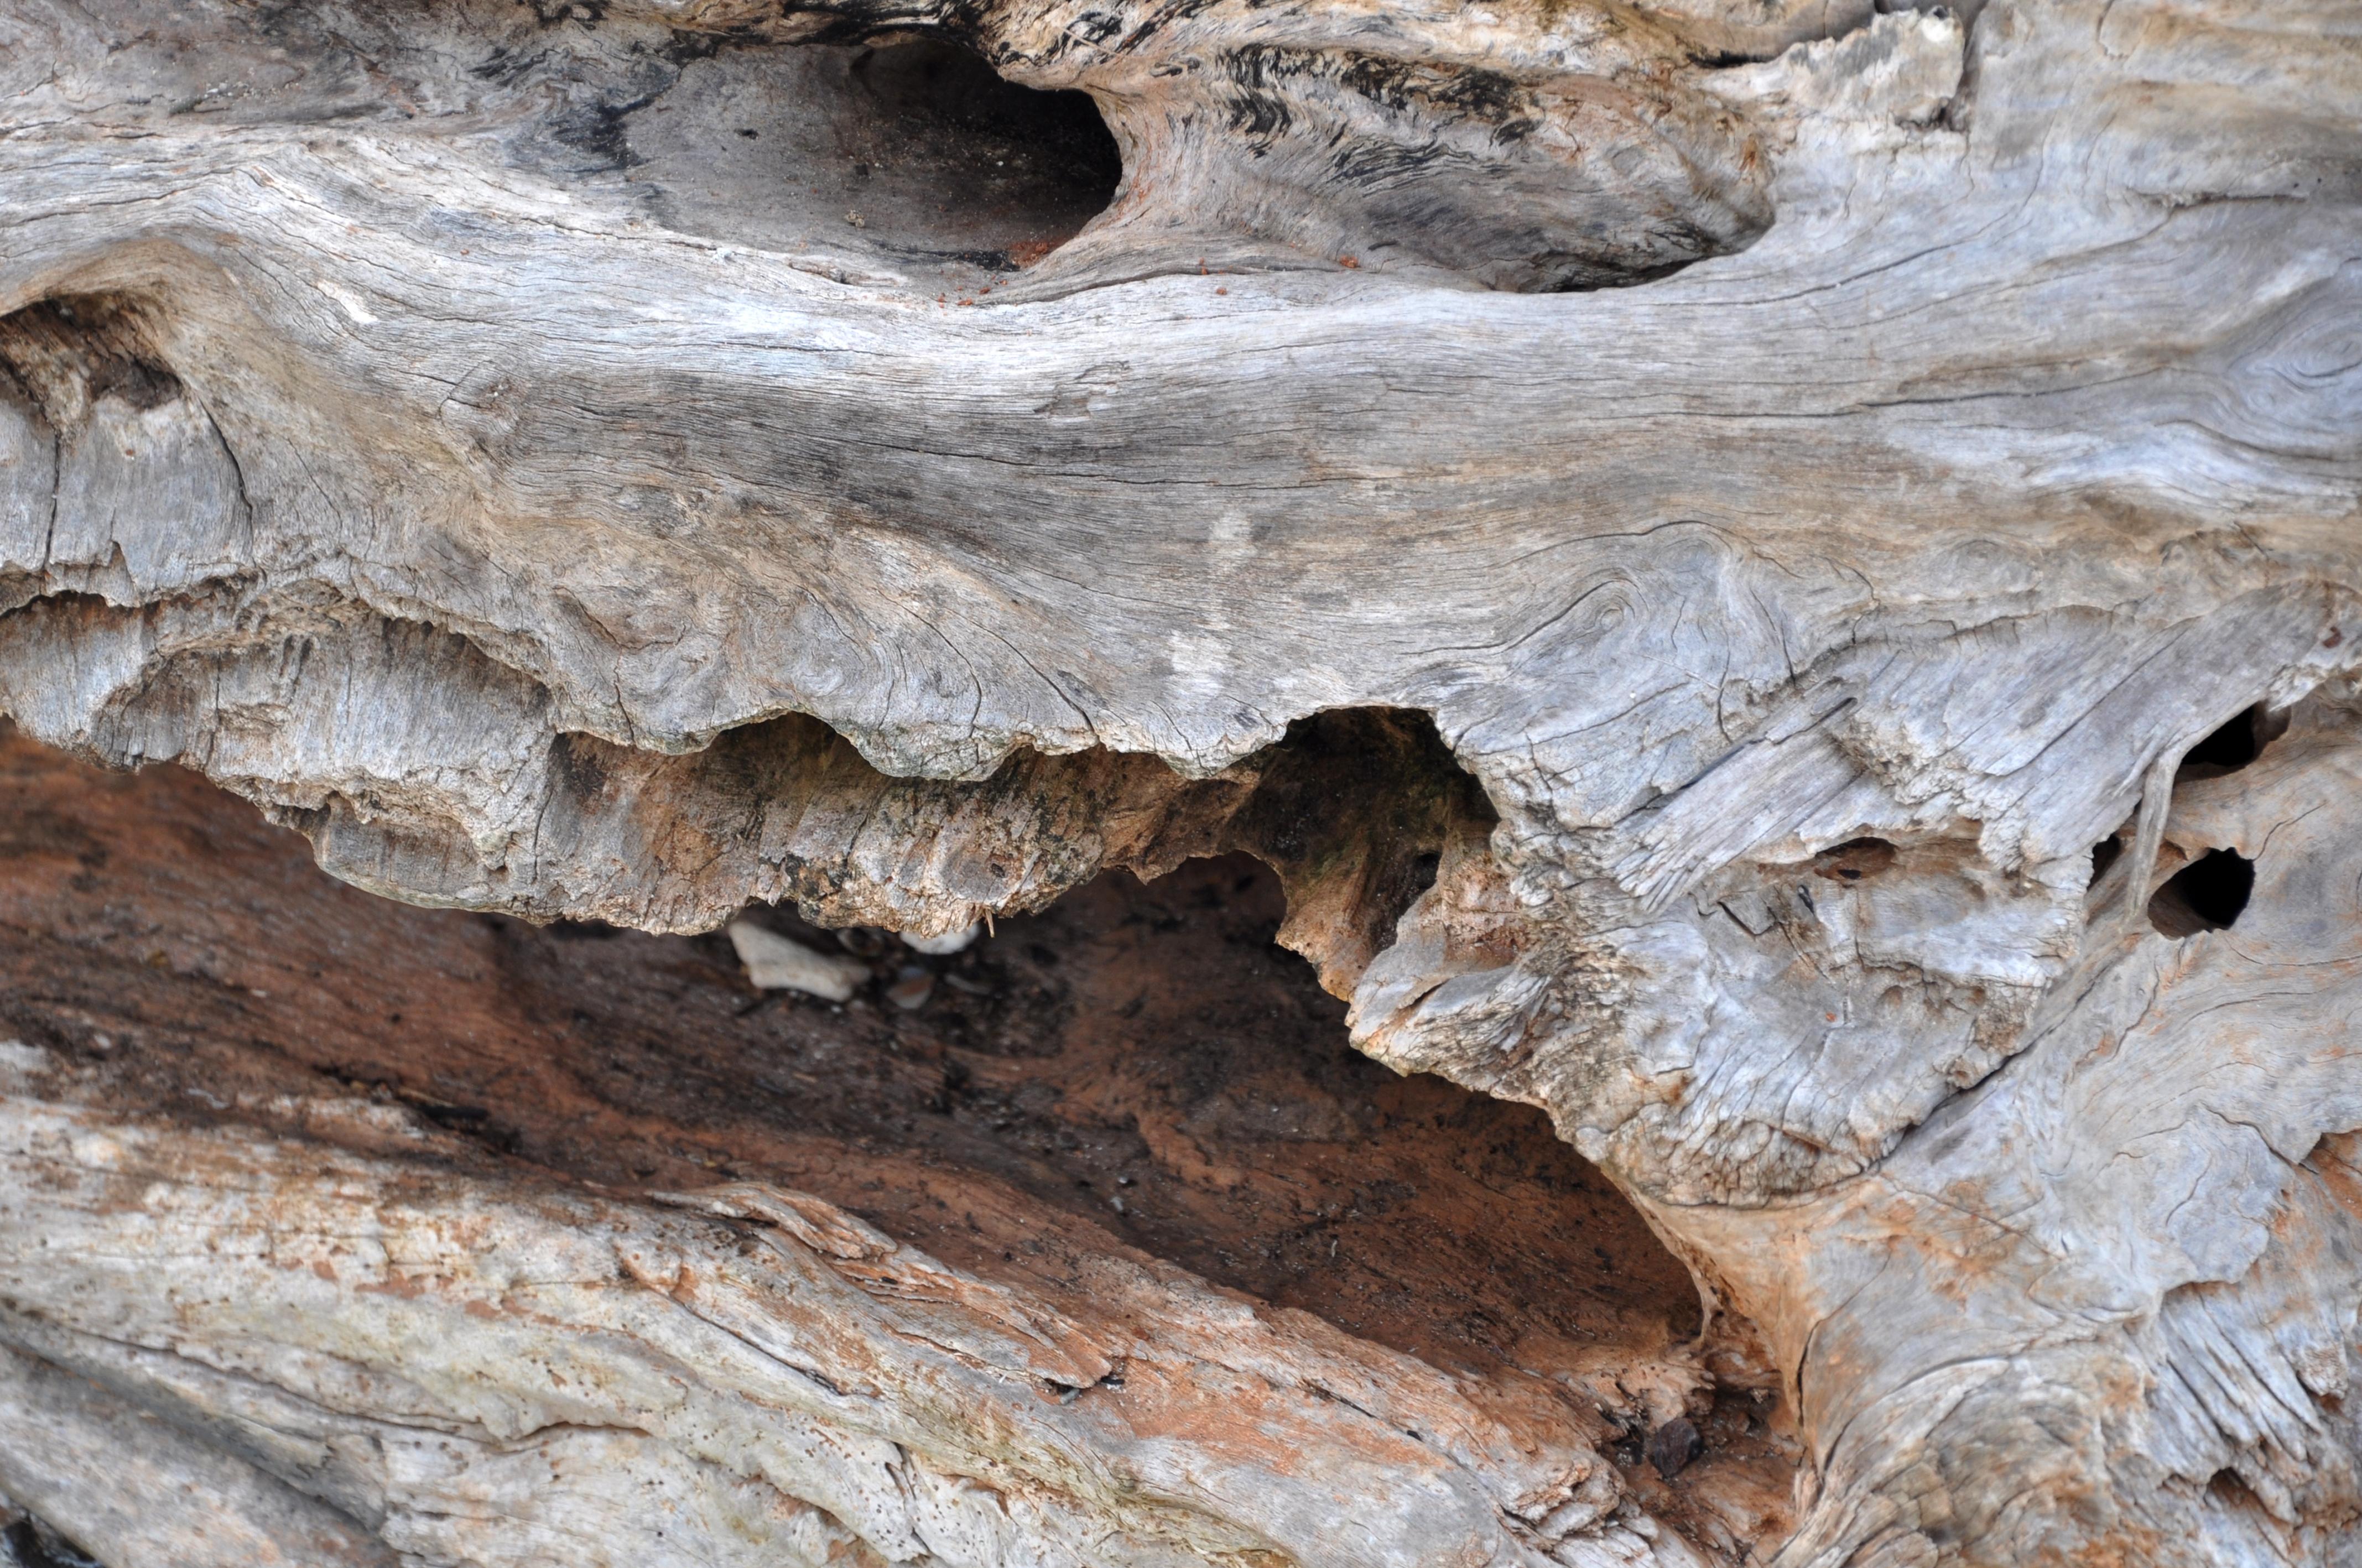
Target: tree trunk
column 1777, row 580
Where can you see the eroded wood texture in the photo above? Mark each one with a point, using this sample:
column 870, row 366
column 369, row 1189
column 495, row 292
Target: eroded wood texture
column 432, row 426
column 483, row 1243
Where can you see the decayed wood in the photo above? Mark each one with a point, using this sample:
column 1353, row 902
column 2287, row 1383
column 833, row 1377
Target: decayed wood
column 442, row 427
column 562, row 1263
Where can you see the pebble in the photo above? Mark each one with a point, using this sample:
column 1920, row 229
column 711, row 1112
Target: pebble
column 911, row 988
column 774, row 963
column 1673, row 1446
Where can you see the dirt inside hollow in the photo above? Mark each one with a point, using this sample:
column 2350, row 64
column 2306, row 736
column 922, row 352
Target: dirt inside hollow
column 1139, row 1068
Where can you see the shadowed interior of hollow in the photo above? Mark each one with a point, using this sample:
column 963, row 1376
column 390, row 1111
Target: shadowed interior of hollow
column 915, row 147
column 1139, row 1069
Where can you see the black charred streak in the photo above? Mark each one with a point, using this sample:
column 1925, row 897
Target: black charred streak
column 1270, row 85
column 686, row 48
column 507, row 66
column 1262, row 66
column 856, row 24
column 1385, row 163
column 1259, row 115
column 599, row 130
column 1386, row 83
column 1162, row 18
column 1406, row 88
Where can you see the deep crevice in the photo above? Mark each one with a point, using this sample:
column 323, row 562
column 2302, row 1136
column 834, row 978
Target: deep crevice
column 1140, row 1059
column 2228, row 1489
column 2236, row 743
column 33, row 1544
column 2212, row 892
column 2105, row 854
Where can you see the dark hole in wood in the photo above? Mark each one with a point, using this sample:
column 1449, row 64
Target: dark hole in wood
column 2236, row 744
column 2226, row 1488
column 915, row 150
column 2208, row 894
column 932, row 80
column 1854, row 860
column 1375, row 786
column 36, row 1545
column 1046, row 157
column 103, row 341
column 1405, row 1209
column 2106, row 853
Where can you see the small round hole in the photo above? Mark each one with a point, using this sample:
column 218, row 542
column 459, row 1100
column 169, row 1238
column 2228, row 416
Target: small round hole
column 2208, row 894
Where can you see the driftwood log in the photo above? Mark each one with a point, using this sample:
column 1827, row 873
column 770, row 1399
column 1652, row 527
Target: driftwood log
column 1778, row 580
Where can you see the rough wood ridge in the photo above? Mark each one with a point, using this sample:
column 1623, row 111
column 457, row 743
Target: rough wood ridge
column 1867, row 496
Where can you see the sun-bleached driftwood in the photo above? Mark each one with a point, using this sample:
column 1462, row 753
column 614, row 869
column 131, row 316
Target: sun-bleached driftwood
column 1821, row 468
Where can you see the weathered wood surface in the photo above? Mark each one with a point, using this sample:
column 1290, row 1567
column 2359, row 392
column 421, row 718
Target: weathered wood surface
column 512, row 516
column 1113, row 1251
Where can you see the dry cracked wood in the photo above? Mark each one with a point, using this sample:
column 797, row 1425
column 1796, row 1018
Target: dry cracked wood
column 778, row 1265
column 619, row 462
